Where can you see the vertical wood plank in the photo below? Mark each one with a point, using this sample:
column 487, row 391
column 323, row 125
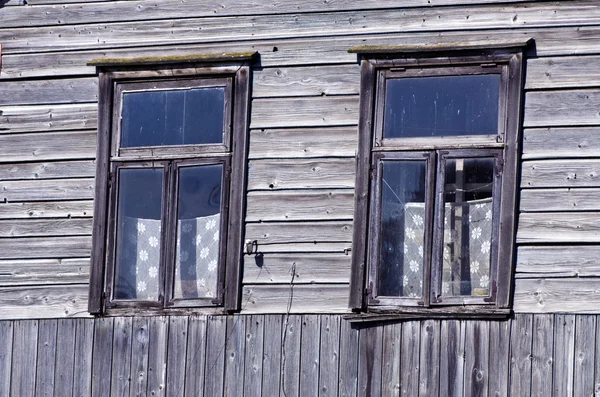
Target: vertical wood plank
column 176, row 355
column 329, row 356
column 157, row 356
column 499, row 357
column 390, row 365
column 196, row 356
column 409, row 378
column 520, row 355
column 452, row 359
column 65, row 348
column 349, row 338
column 585, row 336
column 216, row 331
column 476, row 358
column 84, row 345
column 370, row 346
column 6, row 347
column 597, row 360
column 271, row 375
column 102, row 357
column 24, row 357
column 253, row 367
column 121, row 362
column 543, row 350
column 234, row 356
column 429, row 367
column 309, row 357
column 139, row 357
column 46, row 358
column 564, row 355
column 290, row 355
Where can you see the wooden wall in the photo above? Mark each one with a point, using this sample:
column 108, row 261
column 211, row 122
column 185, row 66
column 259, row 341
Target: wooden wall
column 300, row 355
column 303, row 139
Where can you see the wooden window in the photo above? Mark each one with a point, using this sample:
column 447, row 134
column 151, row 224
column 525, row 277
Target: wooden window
column 172, row 143
column 436, row 180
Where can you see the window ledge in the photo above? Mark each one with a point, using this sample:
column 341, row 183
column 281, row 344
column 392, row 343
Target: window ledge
column 171, row 59
column 440, row 47
column 410, row 313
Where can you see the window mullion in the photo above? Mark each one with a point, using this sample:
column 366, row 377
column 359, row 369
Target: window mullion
column 169, row 232
column 437, row 245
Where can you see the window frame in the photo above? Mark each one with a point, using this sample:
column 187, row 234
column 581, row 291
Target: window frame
column 231, row 71
column 379, row 63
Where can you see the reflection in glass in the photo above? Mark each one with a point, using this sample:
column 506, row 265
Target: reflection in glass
column 138, row 238
column 198, row 227
column 173, row 117
column 402, row 229
column 441, row 106
column 468, row 221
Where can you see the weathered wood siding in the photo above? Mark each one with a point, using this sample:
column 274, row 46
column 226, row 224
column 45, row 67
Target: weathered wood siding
column 303, row 138
column 300, row 355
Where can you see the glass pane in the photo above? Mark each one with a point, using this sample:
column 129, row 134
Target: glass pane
column 198, row 224
column 468, row 213
column 441, row 106
column 174, row 117
column 138, row 233
column 402, row 229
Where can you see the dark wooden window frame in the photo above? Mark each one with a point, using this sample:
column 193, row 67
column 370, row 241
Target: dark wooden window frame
column 231, row 71
column 379, row 63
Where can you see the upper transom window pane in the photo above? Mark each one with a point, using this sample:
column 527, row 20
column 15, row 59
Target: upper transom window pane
column 190, row 116
column 441, row 106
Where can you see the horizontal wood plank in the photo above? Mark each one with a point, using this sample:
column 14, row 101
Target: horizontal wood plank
column 559, row 227
column 48, row 189
column 47, row 146
column 306, row 248
column 301, row 174
column 574, row 142
column 562, row 108
column 45, row 227
column 295, row 299
column 563, row 72
column 50, row 209
column 558, row 261
column 299, row 232
column 49, row 91
column 571, row 295
column 563, row 199
column 308, row 268
column 44, row 271
column 44, row 302
column 299, row 205
column 48, row 170
column 48, row 118
column 560, row 173
column 46, row 247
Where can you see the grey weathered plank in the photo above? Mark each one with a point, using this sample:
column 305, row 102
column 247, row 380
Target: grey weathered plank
column 6, row 351
column 429, row 360
column 46, row 358
column 520, row 355
column 45, row 247
column 370, row 351
column 196, row 356
column 309, row 357
column 574, row 142
column 499, row 358
column 46, row 146
column 48, row 189
column 329, row 355
column 323, row 173
column 409, row 377
column 216, row 332
column 597, row 361
column 291, row 331
column 320, row 298
column 253, row 362
column 542, row 360
column 49, row 209
column 564, row 355
column 309, row 247
column 24, row 357
column 139, row 357
column 559, row 227
column 558, row 261
column 48, row 117
column 50, row 301
column 121, row 362
column 176, row 355
column 44, row 271
column 102, row 357
column 45, row 227
column 302, row 142
column 272, row 349
column 477, row 354
column 562, row 72
column 47, row 170
column 349, row 338
column 561, row 173
column 49, row 91
column 558, row 295
column 561, row 199
column 299, row 232
column 585, row 336
column 390, row 360
column 158, row 328
column 82, row 357
column 309, row 268
column 299, row 205
column 452, row 359
column 234, row 356
column 562, row 108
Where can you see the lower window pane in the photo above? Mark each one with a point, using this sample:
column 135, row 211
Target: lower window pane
column 400, row 271
column 138, row 234
column 198, row 227
column 468, row 213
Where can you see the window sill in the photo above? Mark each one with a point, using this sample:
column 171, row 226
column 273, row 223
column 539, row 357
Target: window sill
column 476, row 312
